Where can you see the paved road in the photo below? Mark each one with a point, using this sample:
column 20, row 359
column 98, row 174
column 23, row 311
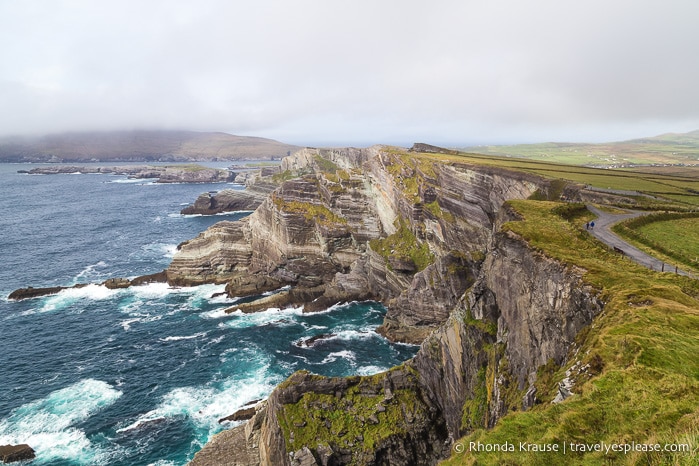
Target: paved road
column 602, row 232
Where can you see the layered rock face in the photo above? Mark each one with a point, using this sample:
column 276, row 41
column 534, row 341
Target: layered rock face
column 361, row 223
column 523, row 312
column 423, row 237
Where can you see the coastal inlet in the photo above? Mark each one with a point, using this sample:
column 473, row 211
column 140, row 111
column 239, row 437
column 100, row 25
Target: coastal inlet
column 141, row 375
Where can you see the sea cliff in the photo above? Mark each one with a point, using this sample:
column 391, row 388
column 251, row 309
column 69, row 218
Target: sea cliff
column 422, row 235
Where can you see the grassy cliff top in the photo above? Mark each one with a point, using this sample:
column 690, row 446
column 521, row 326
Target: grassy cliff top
column 645, row 384
column 650, row 185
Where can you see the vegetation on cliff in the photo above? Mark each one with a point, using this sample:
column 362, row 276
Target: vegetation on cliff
column 309, row 210
column 634, row 375
column 526, row 307
column 361, row 418
column 403, row 246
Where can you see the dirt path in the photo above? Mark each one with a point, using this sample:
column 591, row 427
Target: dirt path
column 602, row 231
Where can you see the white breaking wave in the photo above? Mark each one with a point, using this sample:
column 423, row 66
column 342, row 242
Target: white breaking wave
column 162, row 249
column 203, row 406
column 133, row 180
column 279, row 317
column 47, row 424
column 186, row 337
column 90, row 271
column 362, row 334
column 215, row 314
column 66, row 297
column 371, row 370
column 344, row 354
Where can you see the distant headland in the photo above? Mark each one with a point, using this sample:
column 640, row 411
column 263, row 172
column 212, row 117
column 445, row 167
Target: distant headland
column 140, row 146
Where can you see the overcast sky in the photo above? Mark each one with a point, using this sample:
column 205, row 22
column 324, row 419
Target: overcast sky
column 326, row 72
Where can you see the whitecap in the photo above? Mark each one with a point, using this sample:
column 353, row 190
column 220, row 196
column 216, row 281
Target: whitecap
column 185, row 337
column 152, row 290
column 203, row 406
column 69, row 296
column 167, row 250
column 276, row 316
column 201, row 295
column 48, row 424
column 173, row 215
column 133, row 180
column 371, row 370
column 362, row 334
column 215, row 314
column 344, row 354
column 90, row 271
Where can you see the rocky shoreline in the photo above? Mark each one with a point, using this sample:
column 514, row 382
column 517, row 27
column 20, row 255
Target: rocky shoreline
column 162, row 174
column 422, row 235
column 111, row 283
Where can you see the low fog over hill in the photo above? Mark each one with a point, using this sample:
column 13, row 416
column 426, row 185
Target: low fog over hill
column 140, row 146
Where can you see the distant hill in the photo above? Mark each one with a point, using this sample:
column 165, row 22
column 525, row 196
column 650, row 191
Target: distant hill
column 140, row 146
column 671, row 148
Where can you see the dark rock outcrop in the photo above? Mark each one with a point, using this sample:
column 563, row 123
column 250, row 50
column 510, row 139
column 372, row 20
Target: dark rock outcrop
column 111, row 283
column 228, row 200
column 31, row 292
column 523, row 311
column 230, row 447
column 242, row 414
column 14, row 453
column 386, row 411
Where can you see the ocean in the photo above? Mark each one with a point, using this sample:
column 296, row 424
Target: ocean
column 140, row 376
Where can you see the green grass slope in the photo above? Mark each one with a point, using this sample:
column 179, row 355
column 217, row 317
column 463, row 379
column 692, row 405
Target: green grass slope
column 635, row 369
column 653, row 187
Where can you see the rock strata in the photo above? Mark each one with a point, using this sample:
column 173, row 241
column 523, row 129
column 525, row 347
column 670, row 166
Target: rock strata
column 424, row 238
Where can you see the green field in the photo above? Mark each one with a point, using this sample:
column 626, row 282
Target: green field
column 674, row 240
column 669, row 148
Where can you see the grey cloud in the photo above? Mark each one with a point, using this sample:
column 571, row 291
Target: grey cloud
column 359, row 72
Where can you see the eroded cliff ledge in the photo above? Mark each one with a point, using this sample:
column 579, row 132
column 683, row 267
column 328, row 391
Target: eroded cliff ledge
column 423, row 236
column 351, row 224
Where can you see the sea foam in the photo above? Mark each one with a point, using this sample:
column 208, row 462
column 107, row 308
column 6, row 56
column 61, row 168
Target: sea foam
column 67, row 297
column 47, row 425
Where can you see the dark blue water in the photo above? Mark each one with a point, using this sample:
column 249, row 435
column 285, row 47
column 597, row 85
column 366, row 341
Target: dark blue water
column 139, row 376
